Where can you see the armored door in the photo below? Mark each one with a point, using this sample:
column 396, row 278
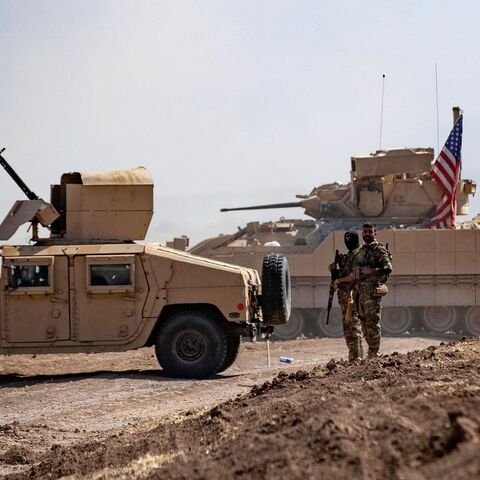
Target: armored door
column 109, row 292
column 36, row 299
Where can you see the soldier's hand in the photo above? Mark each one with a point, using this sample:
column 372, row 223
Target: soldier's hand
column 335, row 284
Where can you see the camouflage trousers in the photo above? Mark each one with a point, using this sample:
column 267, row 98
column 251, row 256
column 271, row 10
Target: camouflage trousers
column 352, row 330
column 370, row 311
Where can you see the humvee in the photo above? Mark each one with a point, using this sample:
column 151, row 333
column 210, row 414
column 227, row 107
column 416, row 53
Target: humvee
column 89, row 287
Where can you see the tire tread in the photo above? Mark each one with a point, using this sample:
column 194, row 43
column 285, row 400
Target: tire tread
column 205, row 322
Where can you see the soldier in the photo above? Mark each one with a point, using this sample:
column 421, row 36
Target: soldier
column 371, row 267
column 351, row 324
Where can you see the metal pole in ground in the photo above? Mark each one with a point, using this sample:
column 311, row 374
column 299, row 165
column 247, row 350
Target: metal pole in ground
column 268, row 352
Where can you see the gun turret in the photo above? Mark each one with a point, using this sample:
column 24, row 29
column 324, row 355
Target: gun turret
column 388, row 187
column 108, row 207
column 33, row 210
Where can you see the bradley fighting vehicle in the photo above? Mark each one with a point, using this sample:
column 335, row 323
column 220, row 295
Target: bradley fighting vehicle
column 89, row 287
column 435, row 282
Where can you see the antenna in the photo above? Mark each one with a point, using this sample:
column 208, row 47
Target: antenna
column 436, row 95
column 381, row 111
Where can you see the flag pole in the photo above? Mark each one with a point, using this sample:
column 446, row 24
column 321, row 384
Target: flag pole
column 456, row 114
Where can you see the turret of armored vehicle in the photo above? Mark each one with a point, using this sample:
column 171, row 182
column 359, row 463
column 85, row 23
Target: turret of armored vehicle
column 434, row 285
column 89, row 287
column 390, row 187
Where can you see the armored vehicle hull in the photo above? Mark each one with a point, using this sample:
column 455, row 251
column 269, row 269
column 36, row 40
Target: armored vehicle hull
column 114, row 297
column 434, row 287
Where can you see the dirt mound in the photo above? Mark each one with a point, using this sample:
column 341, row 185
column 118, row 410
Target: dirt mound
column 408, row 416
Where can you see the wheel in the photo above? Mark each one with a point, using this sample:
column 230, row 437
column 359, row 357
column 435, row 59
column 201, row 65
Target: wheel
column 334, row 329
column 291, row 330
column 191, row 345
column 472, row 321
column 439, row 319
column 396, row 320
column 276, row 290
column 233, row 347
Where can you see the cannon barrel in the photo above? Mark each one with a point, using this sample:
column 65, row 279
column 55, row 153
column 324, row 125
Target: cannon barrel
column 30, row 195
column 264, row 207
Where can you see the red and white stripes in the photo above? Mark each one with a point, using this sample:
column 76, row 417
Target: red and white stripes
column 446, row 171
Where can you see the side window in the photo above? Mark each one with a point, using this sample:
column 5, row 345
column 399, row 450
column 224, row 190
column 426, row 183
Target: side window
column 26, row 275
column 114, row 274
column 110, row 273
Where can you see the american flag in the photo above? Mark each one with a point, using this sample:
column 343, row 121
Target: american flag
column 446, row 171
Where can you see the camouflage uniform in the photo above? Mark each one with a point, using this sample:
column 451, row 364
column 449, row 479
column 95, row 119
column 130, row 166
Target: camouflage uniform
column 371, row 290
column 351, row 326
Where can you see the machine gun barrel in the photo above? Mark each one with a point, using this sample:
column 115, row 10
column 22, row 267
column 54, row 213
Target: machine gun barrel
column 264, row 207
column 30, row 195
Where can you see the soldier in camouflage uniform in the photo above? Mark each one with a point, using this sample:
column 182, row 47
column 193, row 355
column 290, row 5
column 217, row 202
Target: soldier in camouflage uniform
column 351, row 324
column 371, row 268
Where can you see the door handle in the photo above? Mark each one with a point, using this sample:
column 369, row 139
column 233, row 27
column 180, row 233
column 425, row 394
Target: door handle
column 130, row 299
column 58, row 300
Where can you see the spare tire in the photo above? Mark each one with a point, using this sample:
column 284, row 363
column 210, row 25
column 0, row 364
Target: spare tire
column 276, row 290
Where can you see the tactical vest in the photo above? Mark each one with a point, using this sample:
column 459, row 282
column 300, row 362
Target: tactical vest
column 373, row 255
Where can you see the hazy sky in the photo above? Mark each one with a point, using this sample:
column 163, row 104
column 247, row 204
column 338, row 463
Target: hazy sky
column 228, row 102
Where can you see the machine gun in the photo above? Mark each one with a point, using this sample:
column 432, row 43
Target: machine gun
column 34, row 210
column 334, row 272
column 15, row 177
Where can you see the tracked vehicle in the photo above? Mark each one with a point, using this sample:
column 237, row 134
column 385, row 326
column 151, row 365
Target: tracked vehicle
column 89, row 287
column 435, row 282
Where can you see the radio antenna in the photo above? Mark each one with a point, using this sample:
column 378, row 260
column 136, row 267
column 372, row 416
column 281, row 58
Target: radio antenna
column 381, row 110
column 436, row 97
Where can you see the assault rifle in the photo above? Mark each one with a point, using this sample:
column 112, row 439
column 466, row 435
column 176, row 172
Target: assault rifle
column 334, row 273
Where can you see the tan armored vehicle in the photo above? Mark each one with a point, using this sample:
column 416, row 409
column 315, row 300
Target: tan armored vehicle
column 89, row 287
column 434, row 285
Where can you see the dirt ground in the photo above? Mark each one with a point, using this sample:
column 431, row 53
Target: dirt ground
column 403, row 415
